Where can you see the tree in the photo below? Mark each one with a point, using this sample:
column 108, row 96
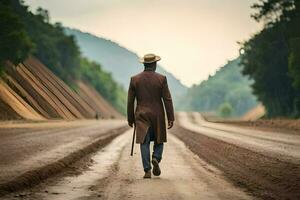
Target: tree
column 225, row 110
column 44, row 14
column 15, row 44
column 266, row 61
column 294, row 55
column 270, row 57
column 103, row 82
column 272, row 11
column 227, row 85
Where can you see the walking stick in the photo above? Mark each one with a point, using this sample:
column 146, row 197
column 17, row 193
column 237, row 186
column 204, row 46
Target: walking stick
column 132, row 145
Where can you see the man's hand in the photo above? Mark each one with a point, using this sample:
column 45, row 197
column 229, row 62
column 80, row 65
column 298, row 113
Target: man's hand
column 130, row 124
column 170, row 124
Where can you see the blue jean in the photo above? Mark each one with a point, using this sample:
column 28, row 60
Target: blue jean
column 145, row 150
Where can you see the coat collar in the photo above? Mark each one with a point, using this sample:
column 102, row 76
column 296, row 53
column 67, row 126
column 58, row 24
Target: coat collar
column 149, row 70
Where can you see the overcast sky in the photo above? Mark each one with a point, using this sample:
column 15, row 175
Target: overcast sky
column 193, row 37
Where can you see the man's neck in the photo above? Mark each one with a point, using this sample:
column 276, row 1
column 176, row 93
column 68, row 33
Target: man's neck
column 149, row 69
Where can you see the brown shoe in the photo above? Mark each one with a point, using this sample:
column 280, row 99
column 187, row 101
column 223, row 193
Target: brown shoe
column 156, row 170
column 147, row 174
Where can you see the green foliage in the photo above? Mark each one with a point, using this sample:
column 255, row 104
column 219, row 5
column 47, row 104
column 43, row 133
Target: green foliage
column 22, row 29
column 269, row 69
column 103, row 82
column 271, row 57
column 227, row 85
column 294, row 57
column 294, row 71
column 273, row 10
column 55, row 49
column 225, row 110
column 15, row 44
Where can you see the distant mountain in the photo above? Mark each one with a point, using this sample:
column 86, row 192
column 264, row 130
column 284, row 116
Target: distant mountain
column 118, row 60
column 226, row 91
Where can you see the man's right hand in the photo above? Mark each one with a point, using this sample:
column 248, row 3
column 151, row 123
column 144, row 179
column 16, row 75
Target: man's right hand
column 130, row 124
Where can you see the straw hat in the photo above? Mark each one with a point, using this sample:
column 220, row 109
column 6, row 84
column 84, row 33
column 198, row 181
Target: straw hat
column 150, row 58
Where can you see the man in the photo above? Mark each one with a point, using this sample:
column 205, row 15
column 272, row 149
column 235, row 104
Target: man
column 151, row 91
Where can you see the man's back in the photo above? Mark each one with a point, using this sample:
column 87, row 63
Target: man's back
column 150, row 90
column 148, row 86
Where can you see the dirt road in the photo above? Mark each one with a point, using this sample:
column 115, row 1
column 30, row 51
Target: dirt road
column 115, row 175
column 275, row 144
column 210, row 161
column 265, row 163
column 30, row 152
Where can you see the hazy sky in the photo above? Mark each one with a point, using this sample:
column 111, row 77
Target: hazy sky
column 193, row 37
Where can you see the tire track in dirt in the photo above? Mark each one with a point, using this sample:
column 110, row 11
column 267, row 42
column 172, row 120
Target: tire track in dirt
column 115, row 175
column 264, row 176
column 36, row 175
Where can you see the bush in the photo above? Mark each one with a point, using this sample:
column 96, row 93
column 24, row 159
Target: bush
column 225, row 110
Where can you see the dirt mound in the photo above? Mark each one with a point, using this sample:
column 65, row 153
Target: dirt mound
column 45, row 96
column 72, row 100
column 254, row 114
column 35, row 89
column 14, row 107
column 7, row 113
column 284, row 125
column 96, row 101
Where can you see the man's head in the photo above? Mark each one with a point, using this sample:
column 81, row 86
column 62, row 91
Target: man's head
column 149, row 61
column 150, row 66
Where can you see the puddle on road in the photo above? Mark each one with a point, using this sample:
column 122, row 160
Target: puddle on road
column 77, row 187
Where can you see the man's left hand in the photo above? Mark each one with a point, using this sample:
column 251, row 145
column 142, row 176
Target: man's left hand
column 170, row 124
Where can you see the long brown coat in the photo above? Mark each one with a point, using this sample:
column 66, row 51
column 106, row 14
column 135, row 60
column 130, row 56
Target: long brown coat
column 150, row 89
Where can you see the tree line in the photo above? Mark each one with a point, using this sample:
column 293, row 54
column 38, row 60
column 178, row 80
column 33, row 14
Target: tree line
column 24, row 33
column 227, row 93
column 272, row 57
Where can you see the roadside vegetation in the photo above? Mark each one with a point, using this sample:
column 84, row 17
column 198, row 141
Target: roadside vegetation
column 24, row 33
column 270, row 63
column 227, row 93
column 15, row 44
column 272, row 57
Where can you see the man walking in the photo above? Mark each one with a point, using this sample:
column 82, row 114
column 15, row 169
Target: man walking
column 151, row 91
